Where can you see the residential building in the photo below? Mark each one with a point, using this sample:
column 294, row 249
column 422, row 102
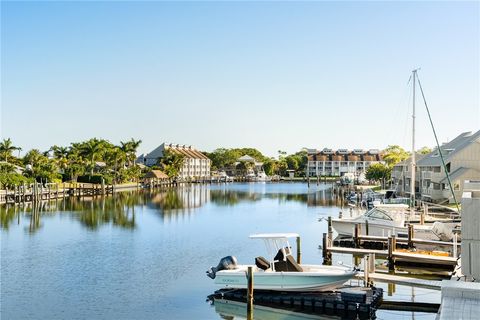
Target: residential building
column 328, row 162
column 195, row 165
column 462, row 162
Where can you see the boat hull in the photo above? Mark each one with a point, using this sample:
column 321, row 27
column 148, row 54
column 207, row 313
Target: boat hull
column 345, row 228
column 286, row 281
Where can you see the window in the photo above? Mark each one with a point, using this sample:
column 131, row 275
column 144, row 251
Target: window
column 378, row 214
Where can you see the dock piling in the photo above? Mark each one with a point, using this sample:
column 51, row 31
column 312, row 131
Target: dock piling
column 392, row 243
column 410, row 236
column 250, row 293
column 299, row 251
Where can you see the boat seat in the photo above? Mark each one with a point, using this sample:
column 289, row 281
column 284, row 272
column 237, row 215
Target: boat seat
column 262, row 263
column 287, row 263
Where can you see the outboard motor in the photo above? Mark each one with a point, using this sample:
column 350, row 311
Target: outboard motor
column 226, row 263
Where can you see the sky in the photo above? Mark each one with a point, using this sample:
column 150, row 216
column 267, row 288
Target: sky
column 269, row 75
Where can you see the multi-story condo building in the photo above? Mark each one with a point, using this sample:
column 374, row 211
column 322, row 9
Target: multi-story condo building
column 328, row 162
column 195, row 163
column 462, row 162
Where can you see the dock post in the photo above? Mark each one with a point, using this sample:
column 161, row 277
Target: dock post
column 422, row 214
column 366, row 270
column 299, row 251
column 329, row 219
column 250, row 293
column 356, row 235
column 455, row 245
column 23, row 192
column 371, row 267
column 327, row 256
column 410, row 236
column 392, row 243
column 366, row 227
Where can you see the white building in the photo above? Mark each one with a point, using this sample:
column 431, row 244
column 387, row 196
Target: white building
column 328, row 162
column 195, row 164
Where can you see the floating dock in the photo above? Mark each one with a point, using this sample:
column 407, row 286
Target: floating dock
column 348, row 302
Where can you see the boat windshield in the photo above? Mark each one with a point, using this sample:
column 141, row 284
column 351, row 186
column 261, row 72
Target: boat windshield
column 378, row 214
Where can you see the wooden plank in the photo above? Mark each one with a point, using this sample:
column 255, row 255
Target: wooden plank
column 401, row 280
column 409, row 306
column 424, row 258
column 378, row 253
column 405, row 240
column 399, row 256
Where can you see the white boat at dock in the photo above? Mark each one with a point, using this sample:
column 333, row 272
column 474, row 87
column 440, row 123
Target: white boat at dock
column 281, row 272
column 386, row 220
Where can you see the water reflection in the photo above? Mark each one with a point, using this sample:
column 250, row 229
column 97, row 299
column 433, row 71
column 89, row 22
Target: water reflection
column 233, row 310
column 121, row 208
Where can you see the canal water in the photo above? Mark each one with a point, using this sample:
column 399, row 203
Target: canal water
column 143, row 255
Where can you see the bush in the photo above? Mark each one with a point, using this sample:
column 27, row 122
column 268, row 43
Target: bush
column 10, row 180
column 97, row 179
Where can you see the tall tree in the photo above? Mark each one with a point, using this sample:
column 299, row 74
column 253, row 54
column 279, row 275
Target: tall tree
column 92, row 150
column 171, row 163
column 7, row 148
column 130, row 148
column 425, row 150
column 393, row 154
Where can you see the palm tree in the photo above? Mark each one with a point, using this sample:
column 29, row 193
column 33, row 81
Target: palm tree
column 130, row 148
column 91, row 150
column 6, row 148
column 59, row 152
column 115, row 158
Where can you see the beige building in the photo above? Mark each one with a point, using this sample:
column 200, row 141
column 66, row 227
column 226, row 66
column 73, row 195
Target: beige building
column 328, row 162
column 196, row 165
column 462, row 160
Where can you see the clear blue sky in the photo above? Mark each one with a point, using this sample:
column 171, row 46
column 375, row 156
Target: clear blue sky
column 221, row 74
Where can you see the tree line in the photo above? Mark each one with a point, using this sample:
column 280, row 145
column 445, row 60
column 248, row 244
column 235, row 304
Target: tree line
column 87, row 161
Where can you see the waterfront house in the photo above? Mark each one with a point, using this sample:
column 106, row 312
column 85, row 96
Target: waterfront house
column 462, row 161
column 328, row 162
column 196, row 165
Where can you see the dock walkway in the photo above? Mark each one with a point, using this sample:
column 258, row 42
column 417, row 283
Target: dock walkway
column 460, row 300
column 401, row 280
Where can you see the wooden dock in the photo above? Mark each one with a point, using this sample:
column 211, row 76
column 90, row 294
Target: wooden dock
column 395, row 250
column 402, row 280
column 51, row 191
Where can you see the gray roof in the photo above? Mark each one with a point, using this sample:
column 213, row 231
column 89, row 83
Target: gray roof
column 418, row 157
column 156, row 153
column 459, row 173
column 449, row 149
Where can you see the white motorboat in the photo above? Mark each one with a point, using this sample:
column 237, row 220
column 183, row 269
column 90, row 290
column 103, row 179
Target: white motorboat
column 386, row 220
column 280, row 272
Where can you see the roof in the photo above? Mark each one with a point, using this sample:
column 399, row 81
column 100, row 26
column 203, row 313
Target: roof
column 418, row 157
column 449, row 149
column 158, row 174
column 274, row 235
column 186, row 151
column 246, row 158
column 457, row 174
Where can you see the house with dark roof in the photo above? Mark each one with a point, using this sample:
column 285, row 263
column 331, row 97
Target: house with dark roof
column 195, row 163
column 462, row 162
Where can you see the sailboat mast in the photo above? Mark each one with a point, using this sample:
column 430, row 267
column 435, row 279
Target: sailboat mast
column 413, row 164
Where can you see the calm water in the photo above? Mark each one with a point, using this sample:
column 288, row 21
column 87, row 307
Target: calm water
column 144, row 255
